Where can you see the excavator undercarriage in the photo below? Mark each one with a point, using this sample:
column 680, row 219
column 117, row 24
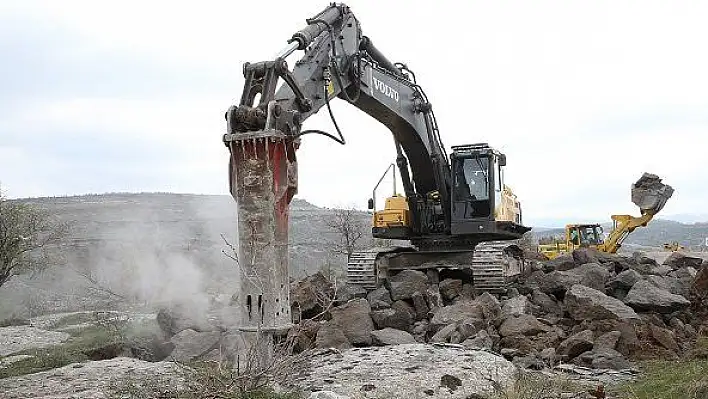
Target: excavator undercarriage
column 488, row 268
column 486, row 260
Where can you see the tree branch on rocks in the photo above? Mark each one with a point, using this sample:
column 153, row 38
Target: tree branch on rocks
column 349, row 229
column 26, row 233
column 98, row 287
column 258, row 361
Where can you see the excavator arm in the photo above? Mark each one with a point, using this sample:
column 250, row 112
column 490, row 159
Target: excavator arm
column 623, row 226
column 340, row 62
column 650, row 195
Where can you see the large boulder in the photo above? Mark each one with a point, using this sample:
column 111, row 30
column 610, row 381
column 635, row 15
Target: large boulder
column 379, row 298
column 645, row 296
column 490, row 305
column 402, row 371
column 664, row 337
column 668, row 283
column 684, row 279
column 308, row 295
column 558, row 282
column 585, row 303
column 522, row 325
column 330, row 335
column 191, row 345
column 304, row 334
column 406, row 283
column 560, row 263
column 399, row 316
column 582, row 256
column 347, row 292
column 593, row 275
column 420, row 304
column 606, row 358
column 443, row 335
column 576, row 344
column 678, row 260
column 355, row 321
column 456, row 313
column 608, row 340
column 481, row 341
column 176, row 319
column 391, row 336
column 546, row 304
column 625, row 280
column 699, row 286
column 450, row 288
column 516, row 306
column 661, row 270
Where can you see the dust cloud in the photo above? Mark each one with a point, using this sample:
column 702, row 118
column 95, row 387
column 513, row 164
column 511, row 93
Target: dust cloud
column 135, row 250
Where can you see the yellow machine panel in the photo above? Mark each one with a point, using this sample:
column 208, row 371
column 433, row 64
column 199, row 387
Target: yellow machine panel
column 509, row 208
column 394, row 214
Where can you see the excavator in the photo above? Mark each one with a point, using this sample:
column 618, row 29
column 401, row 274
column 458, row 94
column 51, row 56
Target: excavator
column 648, row 193
column 452, row 204
column 492, row 262
column 673, row 246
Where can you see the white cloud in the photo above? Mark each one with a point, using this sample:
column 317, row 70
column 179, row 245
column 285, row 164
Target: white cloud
column 550, row 83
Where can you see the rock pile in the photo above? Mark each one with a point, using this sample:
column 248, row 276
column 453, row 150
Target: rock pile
column 588, row 308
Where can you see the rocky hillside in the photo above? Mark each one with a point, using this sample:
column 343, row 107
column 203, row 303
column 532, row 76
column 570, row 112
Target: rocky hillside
column 184, row 223
column 158, row 248
column 194, row 223
column 585, row 317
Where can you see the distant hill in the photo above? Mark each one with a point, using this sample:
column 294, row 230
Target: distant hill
column 166, row 246
column 187, row 224
column 193, row 224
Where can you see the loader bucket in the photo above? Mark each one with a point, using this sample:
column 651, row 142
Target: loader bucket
column 650, row 194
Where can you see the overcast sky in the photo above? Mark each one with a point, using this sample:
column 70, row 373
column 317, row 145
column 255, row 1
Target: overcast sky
column 582, row 97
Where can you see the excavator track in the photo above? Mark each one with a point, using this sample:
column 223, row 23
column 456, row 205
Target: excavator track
column 492, row 264
column 362, row 271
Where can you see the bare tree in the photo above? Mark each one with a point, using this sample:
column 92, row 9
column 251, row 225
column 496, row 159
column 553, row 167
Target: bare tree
column 26, row 233
column 349, row 228
column 528, row 242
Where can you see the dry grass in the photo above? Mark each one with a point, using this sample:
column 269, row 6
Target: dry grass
column 201, row 380
column 687, row 379
column 72, row 351
column 539, row 386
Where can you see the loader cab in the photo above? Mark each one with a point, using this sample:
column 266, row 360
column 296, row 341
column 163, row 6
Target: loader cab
column 584, row 235
column 478, row 194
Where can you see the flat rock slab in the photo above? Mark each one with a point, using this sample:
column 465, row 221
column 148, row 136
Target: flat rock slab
column 402, row 371
column 91, row 380
column 71, row 320
column 6, row 362
column 19, row 338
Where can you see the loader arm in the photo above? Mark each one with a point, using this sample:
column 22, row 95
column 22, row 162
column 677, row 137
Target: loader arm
column 624, row 225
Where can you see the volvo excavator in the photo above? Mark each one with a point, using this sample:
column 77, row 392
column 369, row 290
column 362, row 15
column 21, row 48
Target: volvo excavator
column 452, row 205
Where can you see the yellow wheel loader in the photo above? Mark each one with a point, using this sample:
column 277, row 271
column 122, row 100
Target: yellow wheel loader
column 648, row 193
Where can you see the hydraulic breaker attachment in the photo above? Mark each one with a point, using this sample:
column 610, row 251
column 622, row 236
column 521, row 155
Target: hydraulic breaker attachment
column 263, row 181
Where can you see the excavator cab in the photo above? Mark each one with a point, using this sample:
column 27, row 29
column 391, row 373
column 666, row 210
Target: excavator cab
column 481, row 204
